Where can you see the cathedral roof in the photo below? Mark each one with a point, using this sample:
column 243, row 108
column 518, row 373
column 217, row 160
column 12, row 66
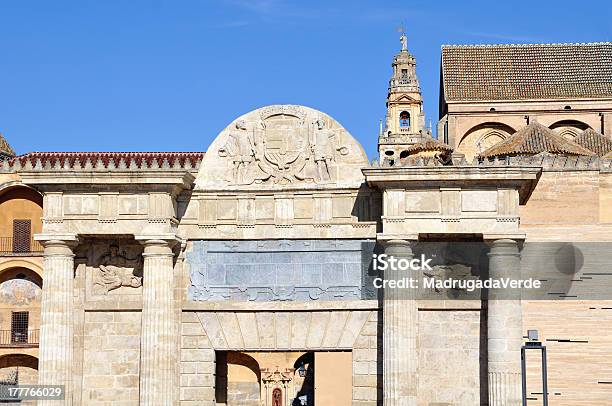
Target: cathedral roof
column 5, row 148
column 527, row 72
column 534, row 139
column 99, row 160
column 594, row 141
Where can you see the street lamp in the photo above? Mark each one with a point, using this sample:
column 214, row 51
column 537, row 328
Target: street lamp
column 534, row 344
column 302, row 371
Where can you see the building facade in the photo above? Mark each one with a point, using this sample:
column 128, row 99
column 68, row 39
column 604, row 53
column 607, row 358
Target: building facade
column 245, row 275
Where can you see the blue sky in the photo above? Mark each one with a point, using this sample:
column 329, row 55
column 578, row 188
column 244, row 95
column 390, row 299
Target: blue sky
column 168, row 75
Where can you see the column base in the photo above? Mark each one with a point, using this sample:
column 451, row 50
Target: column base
column 505, row 389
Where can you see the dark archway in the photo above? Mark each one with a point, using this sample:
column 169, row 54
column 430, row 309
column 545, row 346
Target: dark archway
column 21, row 273
column 18, row 369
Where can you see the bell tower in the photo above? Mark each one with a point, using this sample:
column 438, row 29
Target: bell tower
column 405, row 120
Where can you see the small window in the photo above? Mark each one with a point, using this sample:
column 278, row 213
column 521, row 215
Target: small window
column 19, row 327
column 404, row 119
column 567, row 107
column 22, row 235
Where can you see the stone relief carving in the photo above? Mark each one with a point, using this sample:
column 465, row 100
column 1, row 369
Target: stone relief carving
column 456, row 272
column 324, row 147
column 282, row 145
column 115, row 270
column 279, row 270
column 240, row 148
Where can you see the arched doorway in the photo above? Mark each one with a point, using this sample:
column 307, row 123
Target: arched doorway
column 238, row 379
column 18, row 369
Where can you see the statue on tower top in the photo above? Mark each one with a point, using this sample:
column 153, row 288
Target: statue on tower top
column 403, row 38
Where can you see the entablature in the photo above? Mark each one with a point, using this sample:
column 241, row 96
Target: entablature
column 291, row 213
column 452, row 200
column 102, row 202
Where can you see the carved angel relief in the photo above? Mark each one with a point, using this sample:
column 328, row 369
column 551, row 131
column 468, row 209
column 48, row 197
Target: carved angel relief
column 282, row 147
column 116, row 270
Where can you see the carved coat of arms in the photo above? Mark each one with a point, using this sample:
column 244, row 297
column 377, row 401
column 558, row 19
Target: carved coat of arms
column 283, row 146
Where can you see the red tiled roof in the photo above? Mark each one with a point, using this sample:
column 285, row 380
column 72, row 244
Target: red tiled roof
column 594, row 141
column 142, row 160
column 528, row 71
column 429, row 145
column 534, row 139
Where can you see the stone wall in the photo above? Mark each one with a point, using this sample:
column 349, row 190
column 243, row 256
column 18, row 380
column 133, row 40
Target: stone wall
column 367, row 372
column 449, row 358
column 197, row 370
column 111, row 358
column 577, row 337
column 570, row 206
column 564, row 197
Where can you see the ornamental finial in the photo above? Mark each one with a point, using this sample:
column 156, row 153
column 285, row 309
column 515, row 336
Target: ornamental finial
column 403, row 39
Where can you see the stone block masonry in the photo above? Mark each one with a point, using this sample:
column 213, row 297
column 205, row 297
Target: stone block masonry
column 112, row 358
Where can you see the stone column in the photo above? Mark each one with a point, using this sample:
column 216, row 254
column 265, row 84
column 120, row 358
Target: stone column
column 504, row 328
column 158, row 354
column 57, row 315
column 399, row 334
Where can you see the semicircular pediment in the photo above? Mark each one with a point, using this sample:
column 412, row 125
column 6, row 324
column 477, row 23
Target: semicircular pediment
column 282, row 146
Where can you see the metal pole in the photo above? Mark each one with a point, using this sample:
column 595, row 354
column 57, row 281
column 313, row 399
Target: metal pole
column 542, row 348
column 544, row 377
column 524, row 375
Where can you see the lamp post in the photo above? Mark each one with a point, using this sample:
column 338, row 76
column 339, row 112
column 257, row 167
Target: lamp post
column 534, row 344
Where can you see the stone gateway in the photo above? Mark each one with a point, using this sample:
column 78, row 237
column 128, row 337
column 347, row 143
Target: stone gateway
column 246, row 275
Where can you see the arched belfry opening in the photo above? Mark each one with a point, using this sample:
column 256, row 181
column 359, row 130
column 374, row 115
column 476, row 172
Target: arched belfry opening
column 404, row 120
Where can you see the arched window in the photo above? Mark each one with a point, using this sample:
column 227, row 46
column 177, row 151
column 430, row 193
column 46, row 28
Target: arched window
column 404, row 119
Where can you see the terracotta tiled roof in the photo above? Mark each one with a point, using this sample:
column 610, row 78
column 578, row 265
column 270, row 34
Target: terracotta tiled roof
column 5, row 148
column 429, row 145
column 530, row 71
column 594, row 141
column 534, row 139
column 139, row 160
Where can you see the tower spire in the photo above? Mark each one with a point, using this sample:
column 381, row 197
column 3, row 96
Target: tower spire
column 405, row 121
